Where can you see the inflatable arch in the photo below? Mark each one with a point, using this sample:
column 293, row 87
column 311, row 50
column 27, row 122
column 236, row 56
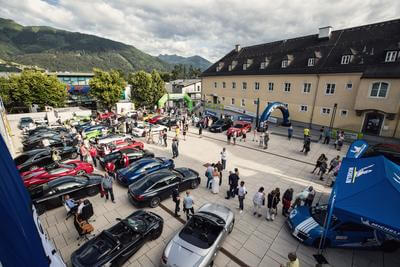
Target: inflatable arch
column 161, row 102
column 276, row 105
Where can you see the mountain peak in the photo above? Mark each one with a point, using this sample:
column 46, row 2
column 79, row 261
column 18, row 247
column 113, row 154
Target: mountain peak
column 195, row 61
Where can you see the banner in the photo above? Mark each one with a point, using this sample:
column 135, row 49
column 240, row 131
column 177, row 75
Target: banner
column 357, row 149
column 245, row 118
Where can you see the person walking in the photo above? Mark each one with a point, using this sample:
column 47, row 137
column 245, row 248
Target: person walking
column 272, row 205
column 261, row 142
column 124, row 160
column 255, row 134
column 215, row 181
column 244, row 133
column 177, row 200
column 334, row 162
column 174, row 146
column 93, row 155
column 310, row 197
column 327, row 135
column 83, row 152
column 321, row 133
column 234, row 136
column 266, row 139
column 107, row 186
column 160, row 138
column 185, row 128
column 293, row 261
column 209, row 175
column 307, row 145
column 188, row 204
column 233, row 184
column 219, row 169
column 306, row 132
column 165, row 137
column 177, row 132
column 340, row 141
column 319, row 162
column 302, row 196
column 258, row 201
column 241, row 195
column 228, row 138
column 287, row 201
column 200, row 129
column 223, row 158
column 323, row 168
column 290, row 132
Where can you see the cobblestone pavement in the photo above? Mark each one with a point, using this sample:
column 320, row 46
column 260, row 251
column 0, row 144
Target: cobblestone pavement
column 255, row 241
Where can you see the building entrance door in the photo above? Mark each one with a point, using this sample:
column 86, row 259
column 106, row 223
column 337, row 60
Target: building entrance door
column 373, row 123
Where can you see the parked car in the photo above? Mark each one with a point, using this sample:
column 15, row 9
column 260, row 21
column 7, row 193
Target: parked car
column 168, row 122
column 139, row 130
column 51, row 195
column 41, row 176
column 155, row 119
column 25, row 122
column 111, row 138
column 307, row 225
column 390, row 151
column 116, row 157
column 41, row 135
column 239, row 127
column 37, row 158
column 147, row 116
column 198, row 242
column 54, row 141
column 141, row 168
column 106, row 115
column 119, row 146
column 114, row 246
column 46, row 129
column 221, row 125
column 153, row 188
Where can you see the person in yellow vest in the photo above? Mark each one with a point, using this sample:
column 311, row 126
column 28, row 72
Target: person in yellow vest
column 306, row 132
column 177, row 131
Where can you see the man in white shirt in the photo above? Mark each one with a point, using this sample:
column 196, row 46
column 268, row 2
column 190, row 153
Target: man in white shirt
column 241, row 195
column 223, row 158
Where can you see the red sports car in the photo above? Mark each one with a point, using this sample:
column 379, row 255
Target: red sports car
column 117, row 146
column 44, row 175
column 104, row 116
column 239, row 127
column 155, row 119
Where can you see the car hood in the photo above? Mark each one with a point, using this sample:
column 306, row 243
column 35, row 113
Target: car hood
column 216, row 209
column 182, row 254
column 301, row 220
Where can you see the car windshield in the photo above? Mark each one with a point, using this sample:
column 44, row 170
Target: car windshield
column 26, row 120
column 134, row 166
column 136, row 224
column 112, row 156
column 143, row 184
column 238, row 126
column 318, row 213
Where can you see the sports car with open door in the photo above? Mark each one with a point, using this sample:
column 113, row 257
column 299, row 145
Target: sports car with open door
column 116, row 157
column 198, row 242
column 38, row 158
column 117, row 146
column 50, row 195
column 41, row 176
column 114, row 246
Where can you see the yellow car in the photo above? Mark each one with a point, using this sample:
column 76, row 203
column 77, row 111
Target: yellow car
column 148, row 116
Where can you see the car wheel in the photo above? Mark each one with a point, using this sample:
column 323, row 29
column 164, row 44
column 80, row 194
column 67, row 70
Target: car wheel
column 194, row 184
column 34, row 167
column 92, row 191
column 155, row 201
column 390, row 246
column 211, row 264
column 74, row 155
column 81, row 172
column 318, row 240
column 40, row 209
column 230, row 229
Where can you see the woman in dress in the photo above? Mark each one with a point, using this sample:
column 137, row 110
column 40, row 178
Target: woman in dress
column 215, row 183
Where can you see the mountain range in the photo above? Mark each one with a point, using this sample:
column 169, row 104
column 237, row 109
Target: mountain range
column 195, row 61
column 60, row 50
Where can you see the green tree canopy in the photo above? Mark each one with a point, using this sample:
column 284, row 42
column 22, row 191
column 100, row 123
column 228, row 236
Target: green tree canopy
column 147, row 88
column 107, row 87
column 33, row 87
column 158, row 86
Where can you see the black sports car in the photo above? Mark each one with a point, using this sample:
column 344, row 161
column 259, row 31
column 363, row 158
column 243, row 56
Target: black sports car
column 157, row 186
column 37, row 158
column 44, row 129
column 221, row 125
column 167, row 121
column 54, row 141
column 116, row 157
column 117, row 244
column 50, row 195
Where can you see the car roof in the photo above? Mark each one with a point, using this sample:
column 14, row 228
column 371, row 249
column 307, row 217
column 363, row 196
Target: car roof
column 158, row 175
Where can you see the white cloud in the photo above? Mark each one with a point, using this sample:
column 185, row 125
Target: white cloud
column 209, row 28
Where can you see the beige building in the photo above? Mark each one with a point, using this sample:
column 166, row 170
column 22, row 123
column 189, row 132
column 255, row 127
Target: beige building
column 347, row 79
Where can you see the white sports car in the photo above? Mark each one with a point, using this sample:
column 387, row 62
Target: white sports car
column 115, row 138
column 142, row 127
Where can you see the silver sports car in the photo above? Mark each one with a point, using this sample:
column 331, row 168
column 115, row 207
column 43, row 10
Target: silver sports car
column 197, row 243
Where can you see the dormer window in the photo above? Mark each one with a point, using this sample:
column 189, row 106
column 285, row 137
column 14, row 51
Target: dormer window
column 264, row 64
column 311, row 62
column 220, row 66
column 232, row 65
column 247, row 64
column 345, row 59
column 391, row 56
column 285, row 63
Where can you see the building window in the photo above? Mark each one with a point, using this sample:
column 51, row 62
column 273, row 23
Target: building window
column 303, row 108
column 349, row 86
column 344, row 112
column 307, row 88
column 244, row 85
column 325, row 111
column 379, row 90
column 391, row 56
column 330, row 88
column 311, row 62
column 232, row 101
column 215, row 84
column 233, row 85
column 198, row 88
column 256, row 86
column 287, row 87
column 223, row 98
column 243, row 103
column 255, row 101
column 284, row 63
column 223, row 84
column 270, row 86
column 346, row 59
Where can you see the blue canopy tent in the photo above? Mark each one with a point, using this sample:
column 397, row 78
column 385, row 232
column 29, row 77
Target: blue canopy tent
column 368, row 190
column 20, row 243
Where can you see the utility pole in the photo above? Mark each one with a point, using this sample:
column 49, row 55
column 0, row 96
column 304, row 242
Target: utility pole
column 333, row 116
column 257, row 112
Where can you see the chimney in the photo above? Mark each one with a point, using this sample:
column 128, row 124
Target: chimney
column 237, row 48
column 325, row 32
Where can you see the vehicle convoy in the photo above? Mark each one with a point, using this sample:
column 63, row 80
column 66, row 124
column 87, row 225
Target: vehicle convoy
column 307, row 225
column 41, row 176
column 116, row 157
column 51, row 195
column 142, row 167
column 221, row 125
column 153, row 188
column 114, row 246
column 38, row 158
column 198, row 242
column 239, row 127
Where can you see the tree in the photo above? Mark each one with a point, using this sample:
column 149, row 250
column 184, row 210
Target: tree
column 141, row 88
column 158, row 86
column 107, row 87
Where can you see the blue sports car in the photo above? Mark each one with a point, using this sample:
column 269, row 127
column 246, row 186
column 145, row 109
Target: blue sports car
column 138, row 169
